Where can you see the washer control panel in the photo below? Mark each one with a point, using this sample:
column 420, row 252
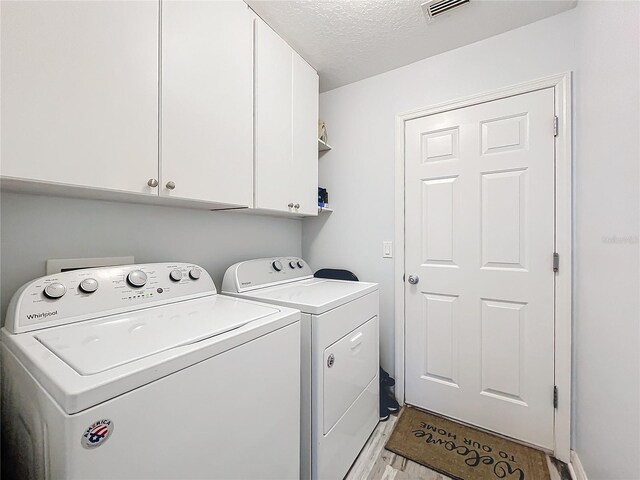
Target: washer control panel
column 261, row 272
column 90, row 293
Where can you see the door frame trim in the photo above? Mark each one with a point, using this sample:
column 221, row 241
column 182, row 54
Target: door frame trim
column 561, row 84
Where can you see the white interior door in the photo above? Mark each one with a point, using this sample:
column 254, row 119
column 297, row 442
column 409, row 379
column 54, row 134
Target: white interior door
column 479, row 232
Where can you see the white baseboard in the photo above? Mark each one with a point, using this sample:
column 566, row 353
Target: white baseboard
column 575, row 467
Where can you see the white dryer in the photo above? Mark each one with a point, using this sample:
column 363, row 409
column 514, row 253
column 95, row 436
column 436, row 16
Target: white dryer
column 143, row 371
column 339, row 345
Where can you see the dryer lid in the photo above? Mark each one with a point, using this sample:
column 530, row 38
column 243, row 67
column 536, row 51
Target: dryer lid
column 100, row 345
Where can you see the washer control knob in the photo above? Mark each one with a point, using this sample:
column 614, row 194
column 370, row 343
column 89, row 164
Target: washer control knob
column 300, row 264
column 89, row 285
column 277, row 266
column 55, row 290
column 195, row 273
column 175, row 275
column 292, row 264
column 137, row 278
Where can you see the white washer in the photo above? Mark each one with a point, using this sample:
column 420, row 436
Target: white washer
column 143, row 371
column 340, row 389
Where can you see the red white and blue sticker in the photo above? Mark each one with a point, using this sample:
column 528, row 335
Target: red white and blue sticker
column 97, row 433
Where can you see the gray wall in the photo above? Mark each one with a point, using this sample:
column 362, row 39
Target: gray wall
column 598, row 41
column 36, row 228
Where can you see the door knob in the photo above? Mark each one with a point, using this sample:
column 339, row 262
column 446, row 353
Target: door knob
column 171, row 185
column 290, row 205
column 153, row 183
column 414, row 279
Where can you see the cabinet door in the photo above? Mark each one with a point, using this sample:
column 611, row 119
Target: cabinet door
column 80, row 93
column 305, row 136
column 207, row 101
column 275, row 175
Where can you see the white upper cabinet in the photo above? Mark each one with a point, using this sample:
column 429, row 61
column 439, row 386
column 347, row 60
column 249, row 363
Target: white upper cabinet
column 135, row 99
column 305, row 135
column 207, row 101
column 80, row 93
column 273, row 117
column 286, row 119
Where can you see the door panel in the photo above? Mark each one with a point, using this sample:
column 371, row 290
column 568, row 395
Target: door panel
column 437, row 223
column 502, row 328
column 479, row 232
column 207, row 101
column 503, row 219
column 440, row 338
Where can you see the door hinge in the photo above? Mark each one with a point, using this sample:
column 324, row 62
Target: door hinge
column 555, row 126
column 556, row 262
column 555, row 396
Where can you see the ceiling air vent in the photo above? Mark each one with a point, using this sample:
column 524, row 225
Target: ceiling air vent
column 433, row 8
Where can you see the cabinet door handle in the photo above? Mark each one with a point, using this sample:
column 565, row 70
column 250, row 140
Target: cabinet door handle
column 171, row 185
column 153, row 183
column 297, row 206
column 290, row 205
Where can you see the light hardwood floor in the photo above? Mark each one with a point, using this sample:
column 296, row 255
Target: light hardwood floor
column 376, row 463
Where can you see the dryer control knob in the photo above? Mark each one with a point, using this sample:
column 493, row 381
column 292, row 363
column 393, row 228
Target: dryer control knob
column 55, row 290
column 89, row 285
column 277, row 266
column 292, row 264
column 195, row 273
column 300, row 264
column 175, row 275
column 137, row 278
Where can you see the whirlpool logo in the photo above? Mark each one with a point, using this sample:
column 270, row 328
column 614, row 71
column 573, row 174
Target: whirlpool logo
column 33, row 316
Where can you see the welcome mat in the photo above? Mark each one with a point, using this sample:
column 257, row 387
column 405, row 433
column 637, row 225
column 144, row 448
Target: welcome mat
column 462, row 452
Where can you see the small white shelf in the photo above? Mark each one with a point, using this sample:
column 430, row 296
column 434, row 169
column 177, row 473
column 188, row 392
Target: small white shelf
column 324, row 210
column 323, row 146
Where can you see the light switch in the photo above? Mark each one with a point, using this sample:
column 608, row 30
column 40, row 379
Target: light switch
column 387, row 249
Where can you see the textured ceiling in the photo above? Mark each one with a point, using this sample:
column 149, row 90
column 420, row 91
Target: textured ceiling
column 348, row 40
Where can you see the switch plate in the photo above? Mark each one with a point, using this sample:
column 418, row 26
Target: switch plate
column 387, row 249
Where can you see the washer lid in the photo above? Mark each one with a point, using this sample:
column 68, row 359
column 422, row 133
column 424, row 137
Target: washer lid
column 313, row 295
column 100, row 345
